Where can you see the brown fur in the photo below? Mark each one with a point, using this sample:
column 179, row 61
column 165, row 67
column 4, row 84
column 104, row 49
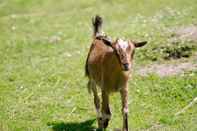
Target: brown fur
column 108, row 66
column 103, row 64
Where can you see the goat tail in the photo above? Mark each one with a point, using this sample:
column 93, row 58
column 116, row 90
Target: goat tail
column 97, row 22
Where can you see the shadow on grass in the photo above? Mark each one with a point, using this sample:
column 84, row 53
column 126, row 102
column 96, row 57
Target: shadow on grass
column 73, row 126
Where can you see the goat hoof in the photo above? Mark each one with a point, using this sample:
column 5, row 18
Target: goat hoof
column 99, row 120
column 105, row 123
column 102, row 123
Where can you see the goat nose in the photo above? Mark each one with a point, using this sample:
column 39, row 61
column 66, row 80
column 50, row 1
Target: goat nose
column 126, row 66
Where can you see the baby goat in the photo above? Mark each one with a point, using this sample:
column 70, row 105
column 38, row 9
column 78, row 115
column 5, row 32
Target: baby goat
column 108, row 65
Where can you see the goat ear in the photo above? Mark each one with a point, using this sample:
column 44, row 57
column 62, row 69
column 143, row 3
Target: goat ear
column 140, row 44
column 114, row 44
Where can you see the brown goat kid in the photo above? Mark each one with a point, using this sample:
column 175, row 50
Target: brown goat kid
column 108, row 66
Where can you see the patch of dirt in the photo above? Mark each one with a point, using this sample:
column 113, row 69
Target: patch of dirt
column 186, row 32
column 167, row 69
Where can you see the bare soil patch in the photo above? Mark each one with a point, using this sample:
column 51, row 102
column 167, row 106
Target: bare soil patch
column 167, row 69
column 186, row 32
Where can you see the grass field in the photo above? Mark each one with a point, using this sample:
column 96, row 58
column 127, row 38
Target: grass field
column 43, row 47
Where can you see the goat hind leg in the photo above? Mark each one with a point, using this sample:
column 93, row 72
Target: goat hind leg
column 106, row 113
column 92, row 86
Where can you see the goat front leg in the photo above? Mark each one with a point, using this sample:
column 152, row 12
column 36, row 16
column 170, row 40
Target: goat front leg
column 106, row 113
column 124, row 98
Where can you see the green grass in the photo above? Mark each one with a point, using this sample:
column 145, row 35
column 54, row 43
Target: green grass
column 43, row 47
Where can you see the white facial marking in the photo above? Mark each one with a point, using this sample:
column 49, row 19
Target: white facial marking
column 123, row 44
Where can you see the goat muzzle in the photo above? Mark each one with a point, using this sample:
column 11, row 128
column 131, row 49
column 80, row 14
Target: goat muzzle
column 126, row 67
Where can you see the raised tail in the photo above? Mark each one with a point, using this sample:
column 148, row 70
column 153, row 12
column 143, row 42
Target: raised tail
column 97, row 22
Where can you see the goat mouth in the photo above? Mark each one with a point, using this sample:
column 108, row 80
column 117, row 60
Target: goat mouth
column 126, row 67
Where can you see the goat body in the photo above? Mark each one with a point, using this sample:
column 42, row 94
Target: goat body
column 108, row 66
column 104, row 67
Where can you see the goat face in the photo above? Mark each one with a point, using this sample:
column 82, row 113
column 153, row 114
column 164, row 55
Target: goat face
column 125, row 51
